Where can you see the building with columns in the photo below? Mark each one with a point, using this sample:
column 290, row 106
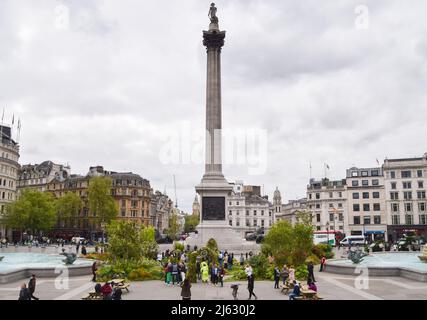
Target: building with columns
column 327, row 200
column 9, row 168
column 366, row 203
column 160, row 210
column 405, row 196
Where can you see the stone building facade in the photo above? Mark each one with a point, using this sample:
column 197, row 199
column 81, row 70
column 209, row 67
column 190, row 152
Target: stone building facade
column 366, row 203
column 9, row 168
column 405, row 196
column 327, row 200
column 248, row 210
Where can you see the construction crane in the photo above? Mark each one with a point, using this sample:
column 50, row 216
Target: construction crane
column 174, row 185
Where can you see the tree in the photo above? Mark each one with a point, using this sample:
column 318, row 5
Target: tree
column 173, row 229
column 34, row 211
column 304, row 217
column 191, row 222
column 278, row 242
column 128, row 240
column 69, row 206
column 101, row 203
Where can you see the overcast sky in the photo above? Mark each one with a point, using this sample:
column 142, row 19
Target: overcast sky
column 109, row 85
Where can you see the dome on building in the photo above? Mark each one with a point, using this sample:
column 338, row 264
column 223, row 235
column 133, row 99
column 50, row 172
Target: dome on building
column 277, row 198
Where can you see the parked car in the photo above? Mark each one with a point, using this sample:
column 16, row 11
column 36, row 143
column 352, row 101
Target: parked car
column 255, row 236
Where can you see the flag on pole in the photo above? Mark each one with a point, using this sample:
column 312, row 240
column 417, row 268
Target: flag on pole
column 13, row 119
column 2, row 117
column 327, row 166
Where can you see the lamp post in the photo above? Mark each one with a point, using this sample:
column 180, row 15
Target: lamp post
column 327, row 230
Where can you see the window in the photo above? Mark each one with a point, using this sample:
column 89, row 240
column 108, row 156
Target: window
column 262, row 212
column 420, row 184
column 395, row 207
column 230, row 212
column 423, row 219
column 230, row 203
column 339, row 205
column 355, row 183
column 364, row 173
column 356, row 207
column 375, row 173
column 377, row 207
column 341, row 217
column 409, row 219
column 318, row 206
column 317, row 195
column 237, row 212
column 123, row 212
column 408, row 207
column 375, row 182
column 331, row 217
column 354, row 174
column 405, row 174
column 395, row 219
column 262, row 223
column 339, row 194
column 365, row 183
column 407, row 185
column 393, row 186
column 318, row 217
column 331, row 194
column 318, row 228
column 421, row 194
column 356, row 220
column 367, row 220
column 377, row 219
column 366, row 207
column 355, row 195
column 365, row 195
column 255, row 213
column 309, row 196
column 248, row 223
column 237, row 203
column 419, row 173
column 407, row 195
column 393, row 174
column 375, row 195
column 422, row 206
column 247, row 212
column 394, row 195
column 255, row 223
column 331, row 205
column 230, row 222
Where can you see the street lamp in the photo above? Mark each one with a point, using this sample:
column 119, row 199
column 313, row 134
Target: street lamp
column 327, row 230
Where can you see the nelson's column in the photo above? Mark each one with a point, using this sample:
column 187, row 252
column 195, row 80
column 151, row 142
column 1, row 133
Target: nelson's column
column 214, row 188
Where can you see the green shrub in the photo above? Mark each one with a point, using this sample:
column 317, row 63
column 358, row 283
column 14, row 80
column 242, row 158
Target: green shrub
column 178, row 246
column 313, row 258
column 301, row 273
column 323, row 250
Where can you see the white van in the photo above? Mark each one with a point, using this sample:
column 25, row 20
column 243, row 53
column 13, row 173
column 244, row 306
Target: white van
column 76, row 240
column 353, row 240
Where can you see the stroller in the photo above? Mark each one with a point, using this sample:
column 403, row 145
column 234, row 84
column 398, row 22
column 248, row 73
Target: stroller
column 235, row 288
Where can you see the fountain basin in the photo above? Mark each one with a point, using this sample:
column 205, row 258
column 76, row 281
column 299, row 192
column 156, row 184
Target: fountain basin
column 17, row 266
column 383, row 264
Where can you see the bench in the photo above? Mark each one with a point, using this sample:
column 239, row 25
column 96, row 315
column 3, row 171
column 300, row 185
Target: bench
column 124, row 286
column 94, row 296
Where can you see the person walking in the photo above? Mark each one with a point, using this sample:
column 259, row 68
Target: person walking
column 24, row 294
column 248, row 271
column 221, row 276
column 214, row 275
column 94, row 269
column 251, row 285
column 32, row 287
column 322, row 264
column 276, row 277
column 186, row 290
column 310, row 269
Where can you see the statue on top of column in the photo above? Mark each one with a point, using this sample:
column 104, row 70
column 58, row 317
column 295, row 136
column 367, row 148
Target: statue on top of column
column 212, row 13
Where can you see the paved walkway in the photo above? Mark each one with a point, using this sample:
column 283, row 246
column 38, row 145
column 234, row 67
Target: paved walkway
column 331, row 287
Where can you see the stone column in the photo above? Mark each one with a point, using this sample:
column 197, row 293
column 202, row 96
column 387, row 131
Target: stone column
column 213, row 40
